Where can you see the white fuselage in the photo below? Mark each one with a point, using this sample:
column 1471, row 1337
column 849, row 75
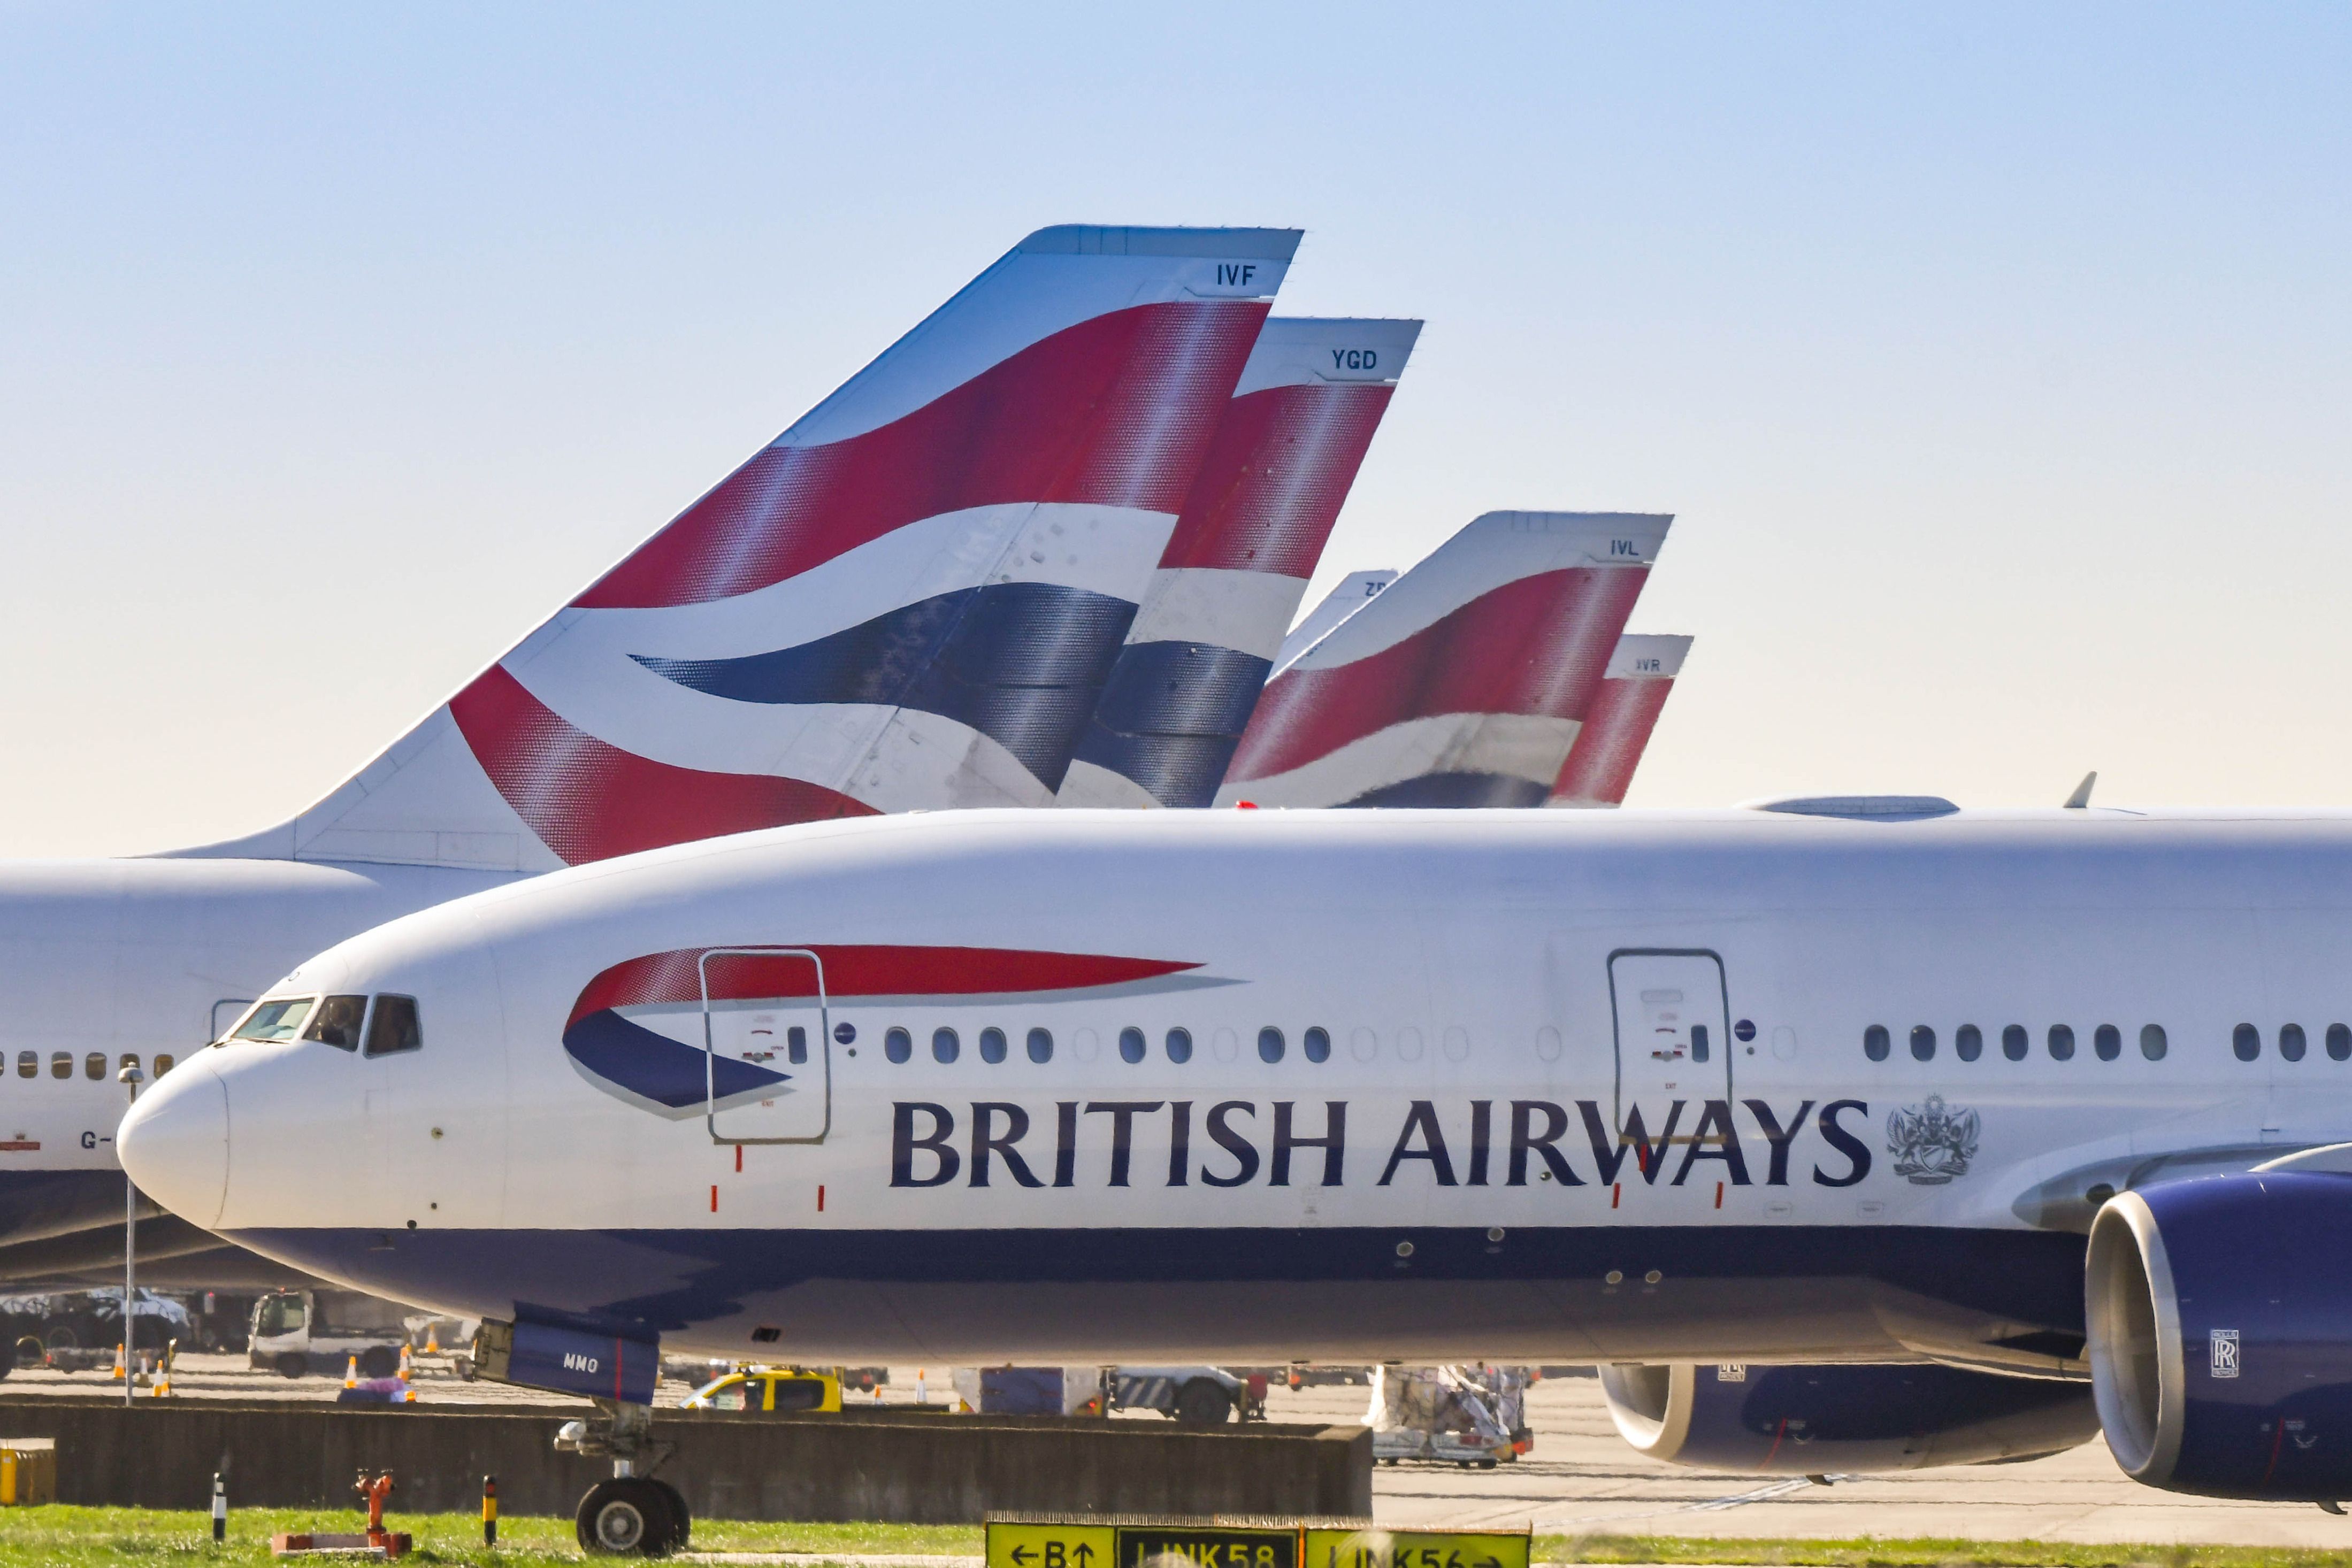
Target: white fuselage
column 107, row 961
column 1502, row 993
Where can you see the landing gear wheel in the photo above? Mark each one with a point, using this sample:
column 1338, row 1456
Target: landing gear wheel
column 627, row 1516
column 681, row 1519
column 291, row 1363
column 1202, row 1403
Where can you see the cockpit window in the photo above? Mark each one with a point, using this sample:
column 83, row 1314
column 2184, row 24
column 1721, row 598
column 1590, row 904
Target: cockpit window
column 277, row 1018
column 394, row 1028
column 337, row 1022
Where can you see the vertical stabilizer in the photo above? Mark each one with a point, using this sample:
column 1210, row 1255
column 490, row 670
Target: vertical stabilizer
column 908, row 598
column 1599, row 765
column 1254, row 523
column 1465, row 683
column 1356, row 589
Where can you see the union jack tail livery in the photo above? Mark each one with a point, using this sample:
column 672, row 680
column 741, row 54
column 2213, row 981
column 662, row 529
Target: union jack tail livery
column 908, row 598
column 1253, row 526
column 1465, row 681
column 1599, row 765
column 1356, row 589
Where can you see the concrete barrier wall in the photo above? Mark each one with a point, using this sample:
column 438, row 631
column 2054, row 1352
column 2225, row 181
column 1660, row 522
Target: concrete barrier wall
column 860, row 1465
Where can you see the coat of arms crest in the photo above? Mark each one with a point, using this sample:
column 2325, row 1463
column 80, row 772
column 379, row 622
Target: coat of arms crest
column 1931, row 1143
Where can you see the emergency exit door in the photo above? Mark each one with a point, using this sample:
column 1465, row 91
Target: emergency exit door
column 767, row 1051
column 1673, row 1038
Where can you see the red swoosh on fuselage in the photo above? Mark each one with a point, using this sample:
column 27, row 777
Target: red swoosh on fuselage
column 858, row 970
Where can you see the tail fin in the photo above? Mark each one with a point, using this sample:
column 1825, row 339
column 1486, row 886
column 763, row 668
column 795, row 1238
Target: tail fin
column 1599, row 765
column 1465, row 681
column 908, row 598
column 1356, row 589
column 1285, row 453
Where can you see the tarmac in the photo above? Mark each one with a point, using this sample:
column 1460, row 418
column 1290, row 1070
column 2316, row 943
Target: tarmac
column 1580, row 1480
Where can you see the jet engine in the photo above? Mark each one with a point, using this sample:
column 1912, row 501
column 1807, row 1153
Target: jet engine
column 2220, row 1334
column 1803, row 1420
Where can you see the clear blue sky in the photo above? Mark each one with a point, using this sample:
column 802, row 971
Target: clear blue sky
column 1998, row 359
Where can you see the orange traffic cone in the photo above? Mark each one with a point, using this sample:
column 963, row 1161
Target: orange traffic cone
column 408, row 1389
column 352, row 1373
column 121, row 1368
column 432, row 1339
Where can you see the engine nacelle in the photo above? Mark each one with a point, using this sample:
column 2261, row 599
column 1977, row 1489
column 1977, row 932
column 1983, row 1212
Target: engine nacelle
column 1802, row 1420
column 2221, row 1334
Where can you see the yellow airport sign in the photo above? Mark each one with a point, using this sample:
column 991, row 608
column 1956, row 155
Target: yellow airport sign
column 1051, row 1545
column 1415, row 1548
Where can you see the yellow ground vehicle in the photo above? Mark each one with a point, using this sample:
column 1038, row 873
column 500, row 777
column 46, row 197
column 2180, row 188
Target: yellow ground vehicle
column 771, row 1389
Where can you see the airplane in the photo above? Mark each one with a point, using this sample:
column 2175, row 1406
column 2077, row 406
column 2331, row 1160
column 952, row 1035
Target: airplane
column 1616, row 731
column 1253, row 528
column 908, row 598
column 1844, row 1133
column 1463, row 682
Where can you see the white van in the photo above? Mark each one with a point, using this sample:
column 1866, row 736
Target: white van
column 299, row 1331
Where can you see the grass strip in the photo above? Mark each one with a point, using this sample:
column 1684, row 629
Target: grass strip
column 65, row 1537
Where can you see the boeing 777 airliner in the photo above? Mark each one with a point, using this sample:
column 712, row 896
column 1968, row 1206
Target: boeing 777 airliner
column 2023, row 1124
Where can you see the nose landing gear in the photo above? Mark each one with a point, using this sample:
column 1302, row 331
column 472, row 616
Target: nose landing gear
column 632, row 1514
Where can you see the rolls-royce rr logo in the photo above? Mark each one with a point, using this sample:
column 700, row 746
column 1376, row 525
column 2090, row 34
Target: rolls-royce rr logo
column 1931, row 1143
column 2222, row 1353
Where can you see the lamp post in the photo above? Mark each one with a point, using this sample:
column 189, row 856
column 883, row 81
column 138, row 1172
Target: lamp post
column 131, row 1078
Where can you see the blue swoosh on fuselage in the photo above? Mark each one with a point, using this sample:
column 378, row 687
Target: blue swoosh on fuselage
column 655, row 1067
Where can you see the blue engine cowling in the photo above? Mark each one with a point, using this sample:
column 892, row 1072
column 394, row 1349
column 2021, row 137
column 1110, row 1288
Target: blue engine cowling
column 1803, row 1420
column 2219, row 1314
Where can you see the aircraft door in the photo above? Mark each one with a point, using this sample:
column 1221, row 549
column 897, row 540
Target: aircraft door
column 767, row 1046
column 1673, row 1035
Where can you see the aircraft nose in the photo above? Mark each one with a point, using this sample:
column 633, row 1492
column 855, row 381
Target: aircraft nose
column 175, row 1142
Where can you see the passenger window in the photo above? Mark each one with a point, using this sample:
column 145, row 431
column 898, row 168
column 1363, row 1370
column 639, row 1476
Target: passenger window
column 1316, row 1043
column 1698, row 1042
column 1269, row 1044
column 93, row 1067
column 2247, row 1042
column 2014, row 1042
column 796, row 1045
column 1922, row 1043
column 2109, row 1041
column 130, row 1059
column 2061, row 1042
column 1967, row 1042
column 2291, row 1041
column 1876, row 1042
column 1180, row 1045
column 898, row 1044
column 28, row 1064
column 729, row 1398
column 991, row 1045
column 337, row 1022
column 1130, row 1044
column 394, row 1029
column 945, row 1046
column 797, row 1393
column 1041, row 1045
column 162, row 1065
column 273, row 1020
column 2339, row 1042
column 61, row 1064
column 2152, row 1043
